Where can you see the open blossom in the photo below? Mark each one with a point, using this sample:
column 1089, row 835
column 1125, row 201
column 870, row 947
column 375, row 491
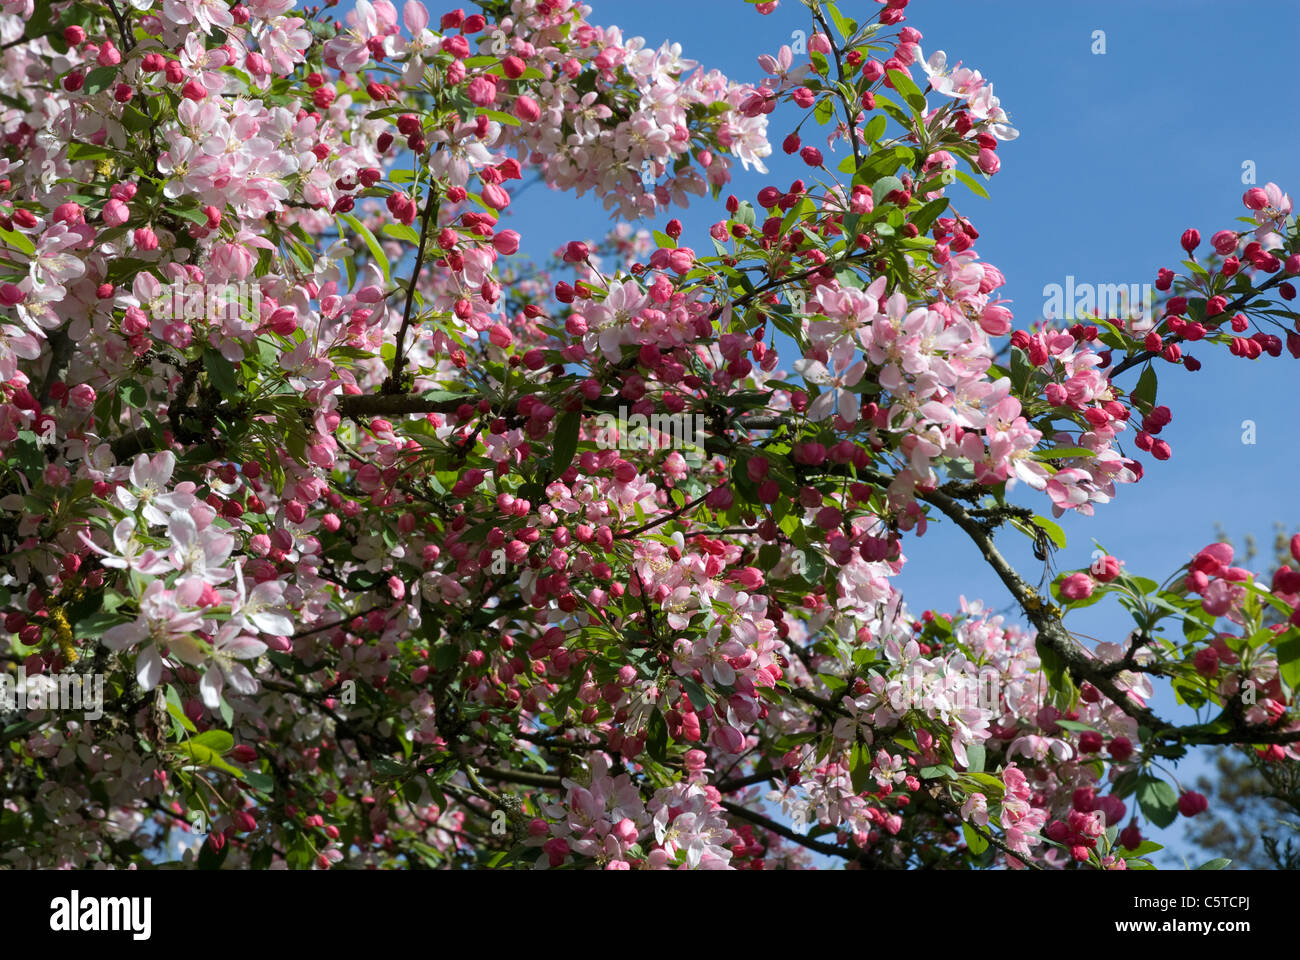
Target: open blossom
column 1271, row 215
column 200, row 553
column 220, row 662
column 688, row 821
column 837, row 395
column 54, row 264
column 610, row 319
column 976, row 809
column 131, row 553
column 262, row 608
column 149, row 479
column 203, row 15
column 350, row 51
column 162, row 621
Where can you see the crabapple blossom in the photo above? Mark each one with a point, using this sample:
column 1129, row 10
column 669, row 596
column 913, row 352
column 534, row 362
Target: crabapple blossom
column 309, row 458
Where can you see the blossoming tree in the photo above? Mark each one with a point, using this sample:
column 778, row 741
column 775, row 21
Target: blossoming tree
column 368, row 578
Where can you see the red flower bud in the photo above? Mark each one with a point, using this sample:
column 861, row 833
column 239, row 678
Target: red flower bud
column 1120, row 749
column 1224, row 242
column 1191, row 803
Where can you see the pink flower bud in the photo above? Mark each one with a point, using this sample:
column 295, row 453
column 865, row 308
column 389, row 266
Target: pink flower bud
column 108, row 55
column 1077, row 586
column 995, row 321
column 115, row 213
column 527, row 110
column 1255, row 198
column 1224, row 242
column 506, row 242
column 481, row 92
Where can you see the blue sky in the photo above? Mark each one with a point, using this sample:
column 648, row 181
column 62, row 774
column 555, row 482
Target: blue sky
column 1118, row 154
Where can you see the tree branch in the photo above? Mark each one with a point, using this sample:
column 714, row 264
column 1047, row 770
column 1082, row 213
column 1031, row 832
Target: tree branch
column 426, row 219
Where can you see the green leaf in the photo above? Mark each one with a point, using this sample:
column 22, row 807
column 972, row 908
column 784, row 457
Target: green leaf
column 1145, row 391
column 926, row 216
column 208, row 860
column 217, row 740
column 385, row 769
column 134, row 120
column 1060, row 453
column 206, row 756
column 441, row 396
column 975, row 757
column 860, row 771
column 372, row 244
column 1288, row 659
column 883, row 187
column 881, row 163
column 400, row 231
column 1142, row 849
column 132, row 394
column 566, row 441
column 88, row 151
column 99, row 79
column 1053, row 665
column 843, row 24
column 221, row 372
column 261, row 782
column 1218, row 863
column 18, row 241
column 988, row 783
column 1021, row 370
column 178, row 714
column 938, row 771
column 656, row 743
column 874, row 130
column 908, row 88
column 446, row 656
column 1052, row 529
column 93, row 626
column 1074, row 725
column 974, row 185
column 509, row 119
column 1157, row 799
column 974, row 840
